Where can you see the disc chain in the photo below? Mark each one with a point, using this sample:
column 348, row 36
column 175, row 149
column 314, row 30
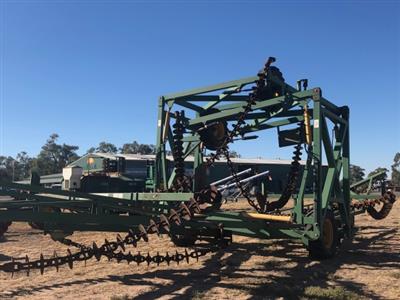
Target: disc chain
column 108, row 249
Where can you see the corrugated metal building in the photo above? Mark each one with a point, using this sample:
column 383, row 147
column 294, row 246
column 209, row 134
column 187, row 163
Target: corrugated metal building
column 136, row 168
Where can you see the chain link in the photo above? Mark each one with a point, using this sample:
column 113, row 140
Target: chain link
column 224, row 149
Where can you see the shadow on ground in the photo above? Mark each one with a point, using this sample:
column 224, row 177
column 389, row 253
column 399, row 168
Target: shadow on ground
column 291, row 270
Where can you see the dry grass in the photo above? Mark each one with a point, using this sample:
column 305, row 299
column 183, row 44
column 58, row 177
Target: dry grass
column 336, row 293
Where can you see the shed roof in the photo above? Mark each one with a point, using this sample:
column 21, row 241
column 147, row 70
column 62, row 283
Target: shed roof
column 191, row 158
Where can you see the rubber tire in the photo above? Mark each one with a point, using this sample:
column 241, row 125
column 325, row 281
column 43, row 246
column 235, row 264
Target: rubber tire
column 188, row 239
column 318, row 249
column 3, row 228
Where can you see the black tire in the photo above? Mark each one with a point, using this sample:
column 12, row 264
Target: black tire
column 3, row 228
column 326, row 246
column 188, row 239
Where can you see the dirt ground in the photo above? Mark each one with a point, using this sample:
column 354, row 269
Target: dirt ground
column 369, row 268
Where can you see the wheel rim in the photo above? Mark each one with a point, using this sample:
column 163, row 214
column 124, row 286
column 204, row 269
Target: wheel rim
column 328, row 233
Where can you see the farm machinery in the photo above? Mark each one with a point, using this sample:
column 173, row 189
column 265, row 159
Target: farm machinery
column 201, row 124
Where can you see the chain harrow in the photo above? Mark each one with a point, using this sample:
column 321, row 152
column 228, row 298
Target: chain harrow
column 182, row 182
column 110, row 249
column 387, row 199
column 291, row 183
column 224, row 150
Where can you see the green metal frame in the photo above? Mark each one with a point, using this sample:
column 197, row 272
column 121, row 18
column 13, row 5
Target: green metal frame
column 225, row 102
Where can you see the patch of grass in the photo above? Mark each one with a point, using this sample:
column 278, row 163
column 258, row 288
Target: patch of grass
column 198, row 295
column 395, row 275
column 334, row 293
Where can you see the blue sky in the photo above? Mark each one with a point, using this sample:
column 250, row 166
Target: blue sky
column 93, row 70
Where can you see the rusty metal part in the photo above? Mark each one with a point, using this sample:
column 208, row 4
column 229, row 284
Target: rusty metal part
column 213, row 136
column 257, row 92
column 291, row 183
column 107, row 250
column 387, row 200
column 261, row 205
column 182, row 182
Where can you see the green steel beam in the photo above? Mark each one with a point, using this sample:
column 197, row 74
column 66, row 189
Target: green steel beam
column 212, row 88
column 282, row 100
column 317, row 162
column 209, row 98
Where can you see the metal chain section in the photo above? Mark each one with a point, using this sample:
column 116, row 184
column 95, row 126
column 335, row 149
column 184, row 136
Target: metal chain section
column 243, row 190
column 262, row 205
column 291, row 182
column 224, row 150
column 71, row 243
column 182, row 182
column 108, row 249
column 387, row 199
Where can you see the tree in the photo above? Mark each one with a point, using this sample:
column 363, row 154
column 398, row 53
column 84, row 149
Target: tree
column 378, row 170
column 130, row 148
column 54, row 157
column 396, row 170
column 104, row 147
column 15, row 169
column 146, row 149
column 7, row 168
column 356, row 173
column 136, row 148
column 234, row 154
column 91, row 150
column 24, row 165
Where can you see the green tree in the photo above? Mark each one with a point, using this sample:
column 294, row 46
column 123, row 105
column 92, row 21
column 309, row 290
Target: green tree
column 54, row 157
column 378, row 170
column 7, row 167
column 136, row 148
column 356, row 173
column 234, row 154
column 146, row 149
column 396, row 170
column 15, row 169
column 24, row 165
column 91, row 150
column 103, row 147
column 130, row 148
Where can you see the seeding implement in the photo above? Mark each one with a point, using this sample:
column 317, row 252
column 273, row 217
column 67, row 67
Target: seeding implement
column 185, row 206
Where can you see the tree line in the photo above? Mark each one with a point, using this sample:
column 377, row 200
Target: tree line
column 53, row 157
column 357, row 173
